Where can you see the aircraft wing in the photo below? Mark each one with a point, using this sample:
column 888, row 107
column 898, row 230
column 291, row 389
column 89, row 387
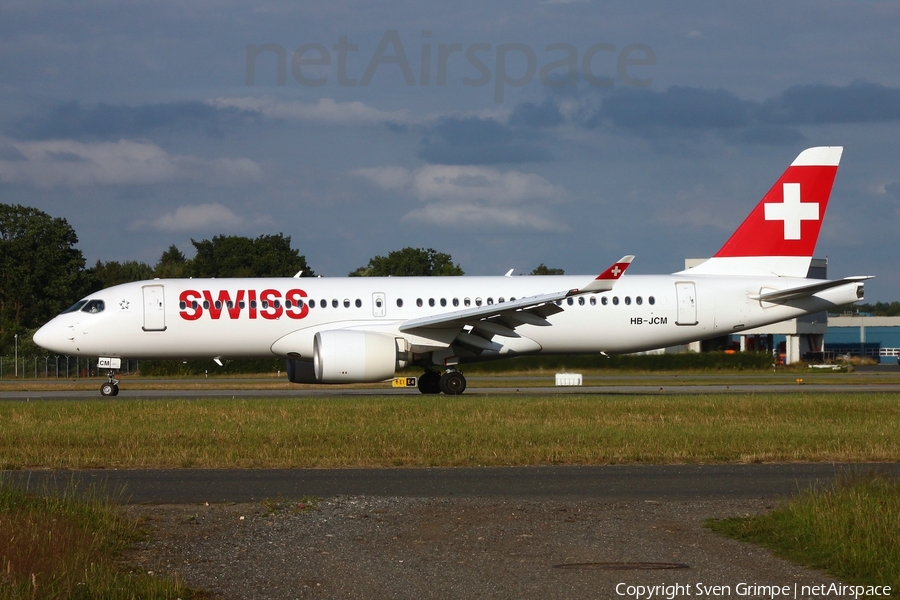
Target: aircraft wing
column 806, row 290
column 503, row 318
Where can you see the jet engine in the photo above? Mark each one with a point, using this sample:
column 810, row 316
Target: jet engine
column 353, row 356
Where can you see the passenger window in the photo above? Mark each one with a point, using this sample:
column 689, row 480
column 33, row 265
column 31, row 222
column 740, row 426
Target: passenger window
column 639, row 300
column 265, row 304
column 593, row 300
column 194, row 305
column 334, row 303
column 419, row 302
column 182, row 305
column 628, row 300
column 312, row 304
column 243, row 304
column 399, row 302
column 431, row 302
column 359, row 303
column 616, row 300
column 604, row 300
column 206, row 304
column 477, row 301
column 651, row 300
column 277, row 304
column 500, row 300
column 512, row 299
column 346, row 302
column 580, row 300
column 467, row 302
column 230, row 304
column 570, row 301
column 323, row 303
column 490, row 300
column 443, row 302
column 456, row 302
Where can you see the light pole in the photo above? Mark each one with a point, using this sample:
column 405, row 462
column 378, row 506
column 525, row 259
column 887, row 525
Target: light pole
column 17, row 354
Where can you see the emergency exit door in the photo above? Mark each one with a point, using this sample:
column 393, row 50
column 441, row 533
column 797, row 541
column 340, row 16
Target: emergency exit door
column 686, row 295
column 154, row 308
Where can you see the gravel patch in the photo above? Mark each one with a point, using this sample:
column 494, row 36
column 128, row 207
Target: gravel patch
column 379, row 547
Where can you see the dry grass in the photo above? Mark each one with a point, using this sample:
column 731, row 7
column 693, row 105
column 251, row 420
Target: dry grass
column 375, row 431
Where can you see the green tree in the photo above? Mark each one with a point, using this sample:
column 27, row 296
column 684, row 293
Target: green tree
column 237, row 256
column 409, row 262
column 108, row 274
column 41, row 270
column 172, row 264
column 543, row 269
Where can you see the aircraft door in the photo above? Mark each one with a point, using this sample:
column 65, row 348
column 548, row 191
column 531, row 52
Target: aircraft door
column 686, row 295
column 154, row 308
column 379, row 305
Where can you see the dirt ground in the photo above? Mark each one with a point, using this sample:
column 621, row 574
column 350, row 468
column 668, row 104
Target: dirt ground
column 380, row 547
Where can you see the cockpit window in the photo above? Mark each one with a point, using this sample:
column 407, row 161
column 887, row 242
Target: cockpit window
column 75, row 307
column 94, row 306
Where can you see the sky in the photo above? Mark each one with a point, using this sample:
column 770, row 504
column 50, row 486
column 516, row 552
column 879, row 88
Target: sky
column 505, row 133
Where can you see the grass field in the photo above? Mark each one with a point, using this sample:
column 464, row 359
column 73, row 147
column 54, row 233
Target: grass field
column 470, row 430
column 850, row 530
column 66, row 547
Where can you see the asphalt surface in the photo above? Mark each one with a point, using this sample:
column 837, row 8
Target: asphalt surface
column 599, row 483
column 777, row 388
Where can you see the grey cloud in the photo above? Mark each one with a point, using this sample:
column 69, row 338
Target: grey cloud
column 858, row 102
column 678, row 107
column 475, row 141
column 72, row 120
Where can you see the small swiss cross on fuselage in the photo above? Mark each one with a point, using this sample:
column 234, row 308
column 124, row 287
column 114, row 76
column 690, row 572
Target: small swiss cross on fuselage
column 792, row 211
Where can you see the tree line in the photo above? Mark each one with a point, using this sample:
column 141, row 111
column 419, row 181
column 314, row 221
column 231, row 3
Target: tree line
column 42, row 271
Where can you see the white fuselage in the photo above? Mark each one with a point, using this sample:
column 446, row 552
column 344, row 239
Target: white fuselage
column 192, row 318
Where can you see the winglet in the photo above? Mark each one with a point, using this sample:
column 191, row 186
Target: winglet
column 605, row 280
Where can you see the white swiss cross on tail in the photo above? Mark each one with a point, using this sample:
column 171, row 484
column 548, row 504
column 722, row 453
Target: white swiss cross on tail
column 792, row 211
column 779, row 236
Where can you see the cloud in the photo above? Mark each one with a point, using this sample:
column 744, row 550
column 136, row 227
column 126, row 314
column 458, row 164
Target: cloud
column 858, row 102
column 69, row 163
column 203, row 217
column 479, row 141
column 326, row 110
column 472, row 195
column 72, row 120
column 681, row 112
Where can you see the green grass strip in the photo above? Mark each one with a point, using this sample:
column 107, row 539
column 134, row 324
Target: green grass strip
column 70, row 547
column 849, row 530
column 470, row 430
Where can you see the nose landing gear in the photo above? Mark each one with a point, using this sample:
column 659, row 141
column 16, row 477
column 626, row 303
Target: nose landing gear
column 111, row 387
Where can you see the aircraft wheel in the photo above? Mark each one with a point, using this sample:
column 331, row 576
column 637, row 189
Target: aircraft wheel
column 430, row 383
column 115, row 390
column 453, row 383
column 109, row 389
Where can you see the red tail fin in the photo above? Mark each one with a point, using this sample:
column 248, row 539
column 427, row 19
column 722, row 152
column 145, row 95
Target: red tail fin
column 779, row 236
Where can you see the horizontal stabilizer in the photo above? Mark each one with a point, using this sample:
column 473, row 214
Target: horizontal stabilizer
column 804, row 291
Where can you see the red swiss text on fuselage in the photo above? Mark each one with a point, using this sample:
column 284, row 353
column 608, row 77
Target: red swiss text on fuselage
column 251, row 304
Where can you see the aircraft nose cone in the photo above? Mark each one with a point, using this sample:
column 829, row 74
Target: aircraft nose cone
column 49, row 337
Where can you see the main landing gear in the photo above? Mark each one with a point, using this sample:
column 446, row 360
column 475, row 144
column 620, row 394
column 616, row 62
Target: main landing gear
column 111, row 387
column 452, row 382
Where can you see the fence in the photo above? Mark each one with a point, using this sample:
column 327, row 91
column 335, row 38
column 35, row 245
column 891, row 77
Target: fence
column 56, row 366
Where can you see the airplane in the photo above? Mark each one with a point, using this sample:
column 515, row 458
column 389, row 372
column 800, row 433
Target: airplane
column 353, row 330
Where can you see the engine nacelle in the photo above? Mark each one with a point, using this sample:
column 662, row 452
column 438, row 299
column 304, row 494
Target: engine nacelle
column 354, row 356
column 301, row 371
